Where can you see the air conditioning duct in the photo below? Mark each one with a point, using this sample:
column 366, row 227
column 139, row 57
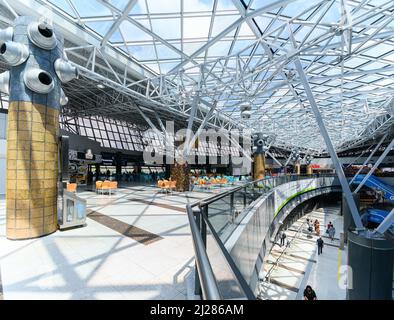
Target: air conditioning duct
column 14, row 53
column 38, row 80
column 6, row 34
column 63, row 98
column 260, row 142
column 246, row 114
column 42, row 35
column 5, row 82
column 65, row 71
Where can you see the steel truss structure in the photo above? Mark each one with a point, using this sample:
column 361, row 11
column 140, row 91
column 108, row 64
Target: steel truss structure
column 199, row 62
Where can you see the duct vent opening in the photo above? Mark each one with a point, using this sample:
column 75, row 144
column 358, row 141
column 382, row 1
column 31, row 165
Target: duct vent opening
column 45, row 31
column 45, row 78
column 3, row 48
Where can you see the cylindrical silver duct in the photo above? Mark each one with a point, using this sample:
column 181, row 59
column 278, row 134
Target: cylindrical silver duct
column 14, row 53
column 38, row 80
column 42, row 35
column 63, row 98
column 5, row 82
column 6, row 34
column 65, row 71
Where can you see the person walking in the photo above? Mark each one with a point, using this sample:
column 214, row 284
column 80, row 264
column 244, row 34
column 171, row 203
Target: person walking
column 317, row 228
column 309, row 293
column 320, row 244
column 331, row 233
column 282, row 238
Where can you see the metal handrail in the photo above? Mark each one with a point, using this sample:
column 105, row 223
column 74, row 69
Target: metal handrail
column 208, row 281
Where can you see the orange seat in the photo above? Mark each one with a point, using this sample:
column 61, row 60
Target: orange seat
column 72, row 187
column 98, row 185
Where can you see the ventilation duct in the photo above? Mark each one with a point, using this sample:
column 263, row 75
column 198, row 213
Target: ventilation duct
column 65, row 71
column 13, row 53
column 246, row 114
column 38, row 80
column 5, row 82
column 6, row 35
column 63, row 98
column 42, row 35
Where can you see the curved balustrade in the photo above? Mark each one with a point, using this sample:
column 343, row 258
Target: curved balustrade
column 230, row 229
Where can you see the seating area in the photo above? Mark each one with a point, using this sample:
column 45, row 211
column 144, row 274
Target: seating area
column 166, row 185
column 209, row 182
column 72, row 187
column 106, row 186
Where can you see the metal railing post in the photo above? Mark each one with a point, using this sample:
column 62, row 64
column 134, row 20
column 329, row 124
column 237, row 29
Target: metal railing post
column 244, row 197
column 204, row 225
column 197, row 284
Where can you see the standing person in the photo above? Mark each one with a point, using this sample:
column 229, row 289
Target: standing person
column 320, row 244
column 315, row 224
column 309, row 293
column 317, row 228
column 331, row 233
column 282, row 239
column 310, row 229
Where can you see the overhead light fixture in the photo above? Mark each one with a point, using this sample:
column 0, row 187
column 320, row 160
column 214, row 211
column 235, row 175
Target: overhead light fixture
column 100, row 86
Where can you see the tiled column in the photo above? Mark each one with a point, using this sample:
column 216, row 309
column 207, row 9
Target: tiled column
column 32, row 168
column 298, row 168
column 309, row 170
column 259, row 166
column 38, row 65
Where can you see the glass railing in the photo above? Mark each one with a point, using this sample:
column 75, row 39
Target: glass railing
column 212, row 221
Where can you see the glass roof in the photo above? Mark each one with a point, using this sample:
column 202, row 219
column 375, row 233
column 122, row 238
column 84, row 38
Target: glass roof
column 237, row 52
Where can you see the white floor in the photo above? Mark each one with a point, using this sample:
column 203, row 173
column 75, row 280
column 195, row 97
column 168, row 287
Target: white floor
column 300, row 265
column 96, row 262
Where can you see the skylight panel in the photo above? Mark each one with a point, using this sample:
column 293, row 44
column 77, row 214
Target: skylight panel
column 168, row 6
column 378, row 50
column 132, row 33
column 91, row 9
column 354, row 62
column 197, row 5
column 373, row 65
column 167, row 28
column 197, row 27
column 63, row 4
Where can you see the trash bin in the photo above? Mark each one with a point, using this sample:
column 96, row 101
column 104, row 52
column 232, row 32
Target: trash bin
column 72, row 211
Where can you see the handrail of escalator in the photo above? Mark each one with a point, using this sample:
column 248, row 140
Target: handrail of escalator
column 208, row 281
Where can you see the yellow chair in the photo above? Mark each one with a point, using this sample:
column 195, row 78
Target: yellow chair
column 106, row 186
column 113, row 185
column 98, row 185
column 166, row 185
column 172, row 185
column 72, row 187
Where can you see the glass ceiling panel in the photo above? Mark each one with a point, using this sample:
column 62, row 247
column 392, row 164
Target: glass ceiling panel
column 90, row 8
column 195, row 24
column 63, row 4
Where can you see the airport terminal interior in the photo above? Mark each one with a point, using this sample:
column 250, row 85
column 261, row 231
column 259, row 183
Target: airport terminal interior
column 196, row 150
